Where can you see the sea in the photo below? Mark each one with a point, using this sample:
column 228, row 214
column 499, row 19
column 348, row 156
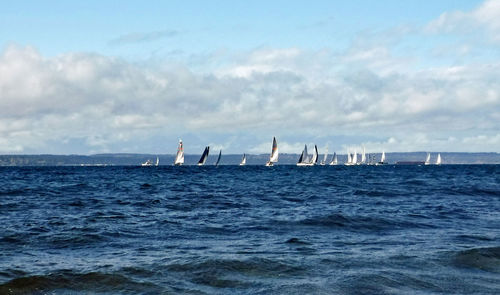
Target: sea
column 250, row 230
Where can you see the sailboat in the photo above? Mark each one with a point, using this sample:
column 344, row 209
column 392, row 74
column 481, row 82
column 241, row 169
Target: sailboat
column 204, row 156
column 428, row 159
column 147, row 163
column 349, row 159
column 157, row 161
column 306, row 161
column 363, row 156
column 382, row 159
column 243, row 160
column 218, row 158
column 314, row 159
column 273, row 158
column 352, row 159
column 179, row 158
column 334, row 159
column 323, row 162
column 438, row 160
column 303, row 157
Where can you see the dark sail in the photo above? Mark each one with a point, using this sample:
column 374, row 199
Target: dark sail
column 218, row 159
column 316, row 154
column 334, row 161
column 301, row 157
column 204, row 156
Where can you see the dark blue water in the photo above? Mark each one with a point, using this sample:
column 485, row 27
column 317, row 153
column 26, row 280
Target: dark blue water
column 250, row 230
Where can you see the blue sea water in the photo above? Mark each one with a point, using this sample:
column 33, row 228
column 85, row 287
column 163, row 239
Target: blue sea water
column 250, row 230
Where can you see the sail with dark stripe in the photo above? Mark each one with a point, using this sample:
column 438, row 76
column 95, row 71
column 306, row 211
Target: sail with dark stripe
column 315, row 157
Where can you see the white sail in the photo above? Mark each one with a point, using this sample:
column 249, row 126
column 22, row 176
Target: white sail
column 309, row 161
column 179, row 158
column 334, row 159
column 355, row 157
column 243, row 160
column 303, row 160
column 438, row 160
column 157, row 161
column 273, row 158
column 323, row 162
column 349, row 158
column 428, row 159
column 274, row 152
column 363, row 156
column 314, row 159
column 382, row 158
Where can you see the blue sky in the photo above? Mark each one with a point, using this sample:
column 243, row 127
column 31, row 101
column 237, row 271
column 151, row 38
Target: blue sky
column 193, row 27
column 130, row 76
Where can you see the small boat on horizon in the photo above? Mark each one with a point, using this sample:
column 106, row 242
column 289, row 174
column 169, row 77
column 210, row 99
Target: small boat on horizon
column 204, row 156
column 304, row 160
column 273, row 158
column 323, row 162
column 363, row 157
column 334, row 160
column 428, row 159
column 438, row 160
column 303, row 157
column 351, row 158
column 218, row 158
column 179, row 158
column 150, row 163
column 382, row 159
column 243, row 160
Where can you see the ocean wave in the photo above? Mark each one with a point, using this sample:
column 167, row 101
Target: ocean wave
column 255, row 267
column 360, row 222
column 72, row 240
column 67, row 282
column 387, row 283
column 486, row 259
column 252, row 230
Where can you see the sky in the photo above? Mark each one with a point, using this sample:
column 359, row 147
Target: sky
column 86, row 77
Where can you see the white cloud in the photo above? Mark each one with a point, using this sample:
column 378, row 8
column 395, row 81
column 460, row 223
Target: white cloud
column 91, row 102
column 485, row 17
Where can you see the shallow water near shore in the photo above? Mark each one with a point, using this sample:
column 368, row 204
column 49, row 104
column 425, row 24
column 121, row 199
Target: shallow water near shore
column 250, row 230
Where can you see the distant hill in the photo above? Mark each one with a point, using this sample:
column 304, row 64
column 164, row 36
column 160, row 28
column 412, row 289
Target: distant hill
column 233, row 159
